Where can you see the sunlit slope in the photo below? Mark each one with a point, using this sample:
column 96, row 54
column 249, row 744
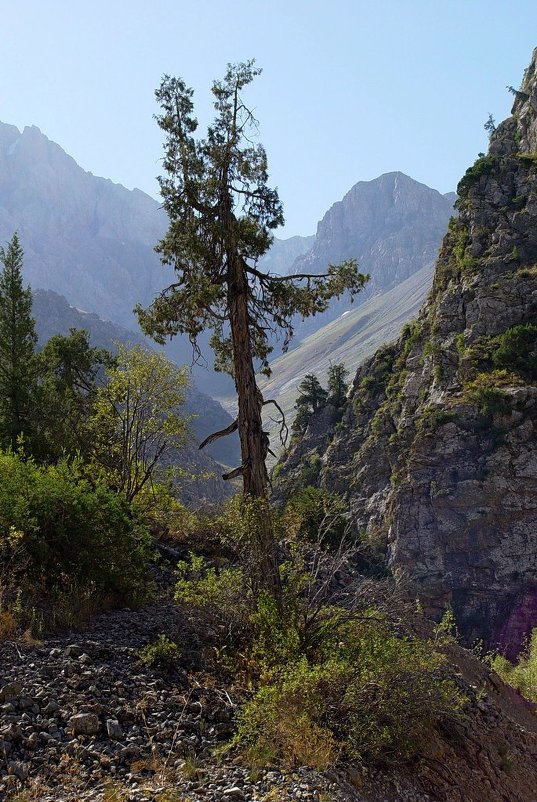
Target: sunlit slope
column 352, row 338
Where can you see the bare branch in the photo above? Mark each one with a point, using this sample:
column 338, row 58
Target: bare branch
column 284, row 429
column 222, row 433
column 234, row 473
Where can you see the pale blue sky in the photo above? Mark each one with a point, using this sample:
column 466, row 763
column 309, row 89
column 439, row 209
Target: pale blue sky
column 350, row 90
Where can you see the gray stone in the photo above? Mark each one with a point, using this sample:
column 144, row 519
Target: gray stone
column 234, row 793
column 113, row 728
column 84, row 724
column 10, row 691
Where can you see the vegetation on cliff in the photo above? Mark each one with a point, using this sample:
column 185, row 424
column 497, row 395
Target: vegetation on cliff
column 320, row 664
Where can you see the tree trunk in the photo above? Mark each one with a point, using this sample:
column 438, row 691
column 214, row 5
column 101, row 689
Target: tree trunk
column 254, row 442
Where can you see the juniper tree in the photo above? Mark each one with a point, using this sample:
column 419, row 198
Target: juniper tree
column 312, row 393
column 337, row 383
column 221, row 217
column 17, row 347
column 312, row 397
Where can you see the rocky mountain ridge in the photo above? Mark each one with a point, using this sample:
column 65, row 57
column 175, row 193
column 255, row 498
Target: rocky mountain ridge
column 437, row 449
column 392, row 225
column 93, row 240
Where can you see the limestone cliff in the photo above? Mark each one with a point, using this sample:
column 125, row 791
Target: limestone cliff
column 392, row 225
column 437, row 449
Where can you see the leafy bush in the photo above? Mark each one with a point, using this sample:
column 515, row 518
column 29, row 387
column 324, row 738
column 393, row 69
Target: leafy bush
column 60, row 528
column 486, row 393
column 516, row 349
column 522, row 675
column 325, row 679
column 410, row 335
column 371, row 694
column 432, row 418
column 220, row 597
column 314, row 515
column 163, row 653
column 482, row 166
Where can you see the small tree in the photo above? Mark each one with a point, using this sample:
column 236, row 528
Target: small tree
column 135, row 419
column 312, row 397
column 221, row 214
column 312, row 394
column 337, row 383
column 490, row 125
column 17, row 346
column 68, row 369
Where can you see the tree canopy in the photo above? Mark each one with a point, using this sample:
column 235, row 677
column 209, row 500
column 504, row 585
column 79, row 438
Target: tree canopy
column 221, row 217
column 17, row 346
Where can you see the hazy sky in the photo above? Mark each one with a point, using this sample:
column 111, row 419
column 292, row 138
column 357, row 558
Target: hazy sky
column 349, row 90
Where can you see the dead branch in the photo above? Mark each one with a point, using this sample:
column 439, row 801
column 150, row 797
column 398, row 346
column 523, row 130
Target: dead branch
column 284, row 429
column 222, row 433
column 234, row 473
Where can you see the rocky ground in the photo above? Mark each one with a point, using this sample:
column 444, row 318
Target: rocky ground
column 82, row 718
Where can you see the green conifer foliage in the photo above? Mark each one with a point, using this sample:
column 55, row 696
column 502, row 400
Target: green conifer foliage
column 312, row 397
column 337, row 383
column 17, row 347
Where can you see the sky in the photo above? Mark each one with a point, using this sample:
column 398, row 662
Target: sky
column 349, row 89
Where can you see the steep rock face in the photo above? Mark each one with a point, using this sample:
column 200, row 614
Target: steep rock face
column 82, row 236
column 392, row 225
column 437, row 451
column 92, row 240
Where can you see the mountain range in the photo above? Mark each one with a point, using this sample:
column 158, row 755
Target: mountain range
column 393, row 226
column 92, row 241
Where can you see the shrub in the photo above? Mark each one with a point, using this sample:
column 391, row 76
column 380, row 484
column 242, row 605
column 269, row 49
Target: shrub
column 163, row 653
column 482, row 166
column 516, row 349
column 523, row 674
column 372, row 695
column 325, row 680
column 313, row 515
column 410, row 335
column 219, row 596
column 60, row 528
column 486, row 393
column 432, row 418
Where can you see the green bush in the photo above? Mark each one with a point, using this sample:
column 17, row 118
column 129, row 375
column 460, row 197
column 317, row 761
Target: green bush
column 482, row 166
column 163, row 653
column 313, row 515
column 372, row 695
column 220, row 597
column 486, row 393
column 516, row 349
column 432, row 418
column 523, row 674
column 324, row 680
column 410, row 335
column 60, row 528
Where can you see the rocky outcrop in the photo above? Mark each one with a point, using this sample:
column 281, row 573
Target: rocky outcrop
column 392, row 225
column 437, row 450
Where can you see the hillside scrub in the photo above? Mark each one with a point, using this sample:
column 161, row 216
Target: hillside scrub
column 522, row 674
column 325, row 679
column 64, row 533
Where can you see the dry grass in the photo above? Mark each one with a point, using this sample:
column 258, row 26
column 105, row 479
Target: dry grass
column 8, row 626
